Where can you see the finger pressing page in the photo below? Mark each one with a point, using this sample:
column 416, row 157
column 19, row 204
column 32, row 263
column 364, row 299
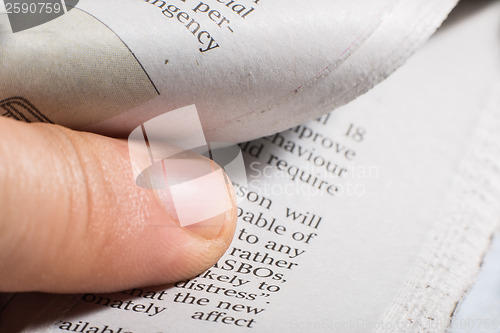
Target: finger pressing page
column 73, row 219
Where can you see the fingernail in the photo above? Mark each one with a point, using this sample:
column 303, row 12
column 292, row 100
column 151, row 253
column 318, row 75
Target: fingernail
column 195, row 191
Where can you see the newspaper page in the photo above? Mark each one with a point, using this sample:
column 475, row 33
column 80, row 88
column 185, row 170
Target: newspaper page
column 335, row 219
column 251, row 67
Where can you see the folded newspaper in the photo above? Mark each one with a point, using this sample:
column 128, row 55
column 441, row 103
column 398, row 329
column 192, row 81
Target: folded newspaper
column 251, row 67
column 372, row 218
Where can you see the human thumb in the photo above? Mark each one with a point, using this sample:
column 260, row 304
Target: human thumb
column 72, row 218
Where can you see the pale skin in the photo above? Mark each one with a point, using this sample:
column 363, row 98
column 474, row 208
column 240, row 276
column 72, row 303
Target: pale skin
column 73, row 220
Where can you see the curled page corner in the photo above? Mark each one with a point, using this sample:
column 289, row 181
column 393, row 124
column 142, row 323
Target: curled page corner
column 251, row 69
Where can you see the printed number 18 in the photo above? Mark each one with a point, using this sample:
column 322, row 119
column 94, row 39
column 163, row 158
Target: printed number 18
column 356, row 133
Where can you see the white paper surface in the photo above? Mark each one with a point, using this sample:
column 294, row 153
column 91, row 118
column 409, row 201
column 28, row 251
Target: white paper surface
column 416, row 128
column 282, row 63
